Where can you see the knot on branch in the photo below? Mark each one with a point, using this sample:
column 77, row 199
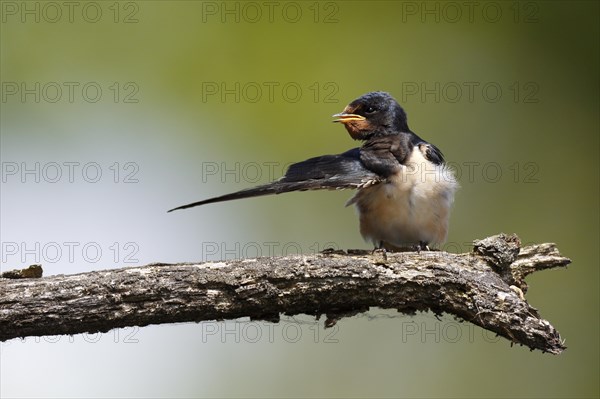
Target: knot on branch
column 500, row 251
column 512, row 263
column 33, row 271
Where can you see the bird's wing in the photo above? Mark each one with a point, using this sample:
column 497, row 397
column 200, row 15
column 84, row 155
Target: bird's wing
column 431, row 153
column 384, row 155
column 325, row 172
column 331, row 172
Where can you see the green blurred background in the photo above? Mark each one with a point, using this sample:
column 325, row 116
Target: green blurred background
column 173, row 101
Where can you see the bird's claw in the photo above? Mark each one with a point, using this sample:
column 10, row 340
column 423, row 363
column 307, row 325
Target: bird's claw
column 421, row 246
column 380, row 250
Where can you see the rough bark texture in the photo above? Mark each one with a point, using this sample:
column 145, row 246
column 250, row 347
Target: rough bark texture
column 484, row 287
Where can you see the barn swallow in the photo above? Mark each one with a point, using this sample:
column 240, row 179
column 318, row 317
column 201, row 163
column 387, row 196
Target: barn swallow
column 404, row 189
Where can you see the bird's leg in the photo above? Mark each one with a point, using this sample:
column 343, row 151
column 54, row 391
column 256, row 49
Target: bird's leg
column 422, row 245
column 380, row 249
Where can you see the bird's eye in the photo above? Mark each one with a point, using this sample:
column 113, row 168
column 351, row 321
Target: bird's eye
column 370, row 110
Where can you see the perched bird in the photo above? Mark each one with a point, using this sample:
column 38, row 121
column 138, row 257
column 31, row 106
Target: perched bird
column 404, row 190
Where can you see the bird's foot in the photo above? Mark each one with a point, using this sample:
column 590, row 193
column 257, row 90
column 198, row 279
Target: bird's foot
column 380, row 250
column 421, row 246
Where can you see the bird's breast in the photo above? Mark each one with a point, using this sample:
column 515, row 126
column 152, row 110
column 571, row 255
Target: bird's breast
column 412, row 206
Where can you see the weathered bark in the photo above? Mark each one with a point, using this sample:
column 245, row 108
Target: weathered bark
column 484, row 287
column 33, row 271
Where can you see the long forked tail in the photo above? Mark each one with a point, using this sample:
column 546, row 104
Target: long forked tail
column 325, row 172
column 275, row 187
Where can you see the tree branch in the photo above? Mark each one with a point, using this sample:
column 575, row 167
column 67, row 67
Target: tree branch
column 484, row 287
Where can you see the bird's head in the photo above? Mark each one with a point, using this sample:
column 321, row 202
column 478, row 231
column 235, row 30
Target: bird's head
column 373, row 114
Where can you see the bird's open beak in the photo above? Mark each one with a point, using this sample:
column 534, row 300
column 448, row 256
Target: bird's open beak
column 344, row 117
